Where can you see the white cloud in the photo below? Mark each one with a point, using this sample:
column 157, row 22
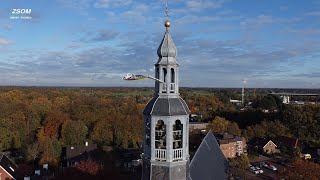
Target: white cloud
column 135, row 15
column 5, row 41
column 188, row 19
column 313, row 13
column 111, row 3
column 76, row 4
column 257, row 21
column 7, row 27
column 307, row 31
column 198, row 5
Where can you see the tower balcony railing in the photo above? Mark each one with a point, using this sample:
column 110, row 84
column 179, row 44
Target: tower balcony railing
column 160, row 154
column 164, row 87
column 177, row 154
column 172, row 87
column 177, row 132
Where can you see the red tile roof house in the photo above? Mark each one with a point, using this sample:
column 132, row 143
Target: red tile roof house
column 8, row 170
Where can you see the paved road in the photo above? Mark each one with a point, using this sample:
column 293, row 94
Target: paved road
column 267, row 174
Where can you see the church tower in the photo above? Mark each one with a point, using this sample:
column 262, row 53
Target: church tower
column 166, row 120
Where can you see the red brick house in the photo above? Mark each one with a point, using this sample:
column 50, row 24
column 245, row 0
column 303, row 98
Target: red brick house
column 8, row 170
column 231, row 146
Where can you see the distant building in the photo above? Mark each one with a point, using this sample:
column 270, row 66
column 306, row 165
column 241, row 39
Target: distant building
column 8, row 170
column 263, row 145
column 72, row 155
column 236, row 102
column 129, row 159
column 285, row 99
column 193, row 118
column 43, row 173
column 231, row 146
column 197, row 126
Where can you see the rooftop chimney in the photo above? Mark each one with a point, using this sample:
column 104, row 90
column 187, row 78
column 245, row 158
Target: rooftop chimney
column 87, row 144
column 37, row 172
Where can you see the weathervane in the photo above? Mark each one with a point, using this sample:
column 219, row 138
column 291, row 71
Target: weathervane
column 167, row 11
column 167, row 23
column 131, row 76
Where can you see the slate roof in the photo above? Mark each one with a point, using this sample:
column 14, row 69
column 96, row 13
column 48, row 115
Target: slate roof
column 166, row 107
column 209, row 162
column 79, row 152
column 167, row 47
column 9, row 166
column 227, row 138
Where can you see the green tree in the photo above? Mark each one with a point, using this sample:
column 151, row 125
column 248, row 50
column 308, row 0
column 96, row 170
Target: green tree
column 266, row 102
column 243, row 162
column 255, row 131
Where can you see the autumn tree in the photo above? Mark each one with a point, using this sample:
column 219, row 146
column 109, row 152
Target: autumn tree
column 90, row 167
column 103, row 133
column 33, row 151
column 221, row 125
column 302, row 170
column 255, row 131
column 233, row 128
column 50, row 148
column 241, row 164
column 6, row 134
column 218, row 125
column 53, row 123
column 84, row 170
column 303, row 121
column 74, row 132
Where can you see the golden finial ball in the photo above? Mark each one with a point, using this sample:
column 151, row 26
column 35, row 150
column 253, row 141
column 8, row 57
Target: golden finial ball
column 167, row 23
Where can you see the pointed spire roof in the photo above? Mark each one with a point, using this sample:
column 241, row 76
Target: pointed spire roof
column 167, row 47
column 167, row 51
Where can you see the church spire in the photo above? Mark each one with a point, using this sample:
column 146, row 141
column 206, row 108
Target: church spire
column 167, row 68
column 167, row 51
column 166, row 119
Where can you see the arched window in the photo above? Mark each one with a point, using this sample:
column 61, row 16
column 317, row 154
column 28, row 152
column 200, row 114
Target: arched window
column 160, row 135
column 164, row 74
column 172, row 75
column 157, row 72
column 177, row 134
column 148, row 131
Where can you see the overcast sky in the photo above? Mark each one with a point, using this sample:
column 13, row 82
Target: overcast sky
column 220, row 42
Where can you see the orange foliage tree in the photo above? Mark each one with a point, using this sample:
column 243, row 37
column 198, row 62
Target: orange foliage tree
column 301, row 170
